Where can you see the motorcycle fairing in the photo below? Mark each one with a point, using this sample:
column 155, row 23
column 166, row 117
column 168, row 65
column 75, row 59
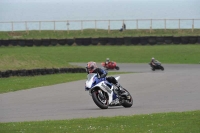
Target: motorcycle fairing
column 93, row 82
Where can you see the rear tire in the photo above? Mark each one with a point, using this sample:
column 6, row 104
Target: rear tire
column 100, row 103
column 153, row 69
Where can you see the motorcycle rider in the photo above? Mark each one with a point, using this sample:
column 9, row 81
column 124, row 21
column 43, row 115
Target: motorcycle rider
column 153, row 61
column 107, row 61
column 92, row 68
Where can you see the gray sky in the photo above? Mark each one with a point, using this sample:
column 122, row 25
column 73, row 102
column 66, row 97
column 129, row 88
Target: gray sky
column 97, row 9
column 93, row 0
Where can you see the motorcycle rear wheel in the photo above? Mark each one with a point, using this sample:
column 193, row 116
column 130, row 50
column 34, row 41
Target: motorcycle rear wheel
column 103, row 104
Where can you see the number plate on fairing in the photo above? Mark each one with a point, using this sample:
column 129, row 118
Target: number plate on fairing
column 128, row 97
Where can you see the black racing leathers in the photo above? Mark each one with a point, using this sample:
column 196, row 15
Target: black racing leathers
column 102, row 73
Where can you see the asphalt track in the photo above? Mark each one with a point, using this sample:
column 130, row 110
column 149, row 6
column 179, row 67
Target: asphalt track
column 174, row 90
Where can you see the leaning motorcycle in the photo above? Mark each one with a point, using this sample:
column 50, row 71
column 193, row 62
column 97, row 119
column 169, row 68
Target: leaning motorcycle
column 156, row 66
column 110, row 66
column 103, row 93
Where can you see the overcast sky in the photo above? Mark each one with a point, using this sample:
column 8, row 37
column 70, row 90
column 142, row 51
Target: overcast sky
column 91, row 0
column 97, row 9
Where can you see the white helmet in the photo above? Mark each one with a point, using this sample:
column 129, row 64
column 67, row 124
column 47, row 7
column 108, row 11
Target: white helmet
column 91, row 66
column 107, row 59
column 152, row 58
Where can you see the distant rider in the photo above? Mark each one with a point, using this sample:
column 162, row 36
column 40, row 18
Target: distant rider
column 153, row 61
column 92, row 68
column 107, row 61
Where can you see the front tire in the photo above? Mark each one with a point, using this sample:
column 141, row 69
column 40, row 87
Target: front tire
column 162, row 68
column 117, row 68
column 103, row 104
column 127, row 101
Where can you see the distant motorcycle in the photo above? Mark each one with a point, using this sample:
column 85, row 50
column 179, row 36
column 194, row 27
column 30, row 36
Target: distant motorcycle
column 156, row 66
column 104, row 94
column 110, row 66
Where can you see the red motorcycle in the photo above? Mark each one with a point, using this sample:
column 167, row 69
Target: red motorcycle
column 111, row 65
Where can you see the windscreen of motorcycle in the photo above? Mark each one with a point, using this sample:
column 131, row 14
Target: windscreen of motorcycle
column 90, row 80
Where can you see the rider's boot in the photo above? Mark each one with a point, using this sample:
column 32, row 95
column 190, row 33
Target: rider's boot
column 119, row 89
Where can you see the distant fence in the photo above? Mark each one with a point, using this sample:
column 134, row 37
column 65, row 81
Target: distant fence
column 101, row 24
column 145, row 40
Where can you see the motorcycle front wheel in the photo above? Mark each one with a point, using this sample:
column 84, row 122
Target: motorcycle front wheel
column 162, row 68
column 127, row 101
column 117, row 68
column 99, row 101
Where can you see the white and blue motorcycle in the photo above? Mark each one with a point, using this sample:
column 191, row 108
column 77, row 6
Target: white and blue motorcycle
column 103, row 93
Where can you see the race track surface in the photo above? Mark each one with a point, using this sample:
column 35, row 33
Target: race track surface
column 173, row 90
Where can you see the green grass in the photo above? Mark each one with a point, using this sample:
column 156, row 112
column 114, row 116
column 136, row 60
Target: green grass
column 21, row 83
column 174, row 122
column 40, row 57
column 93, row 33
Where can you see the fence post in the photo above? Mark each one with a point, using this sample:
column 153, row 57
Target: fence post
column 40, row 26
column 26, row 27
column 95, row 22
column 192, row 25
column 108, row 26
column 151, row 26
column 137, row 24
column 82, row 26
column 179, row 23
column 68, row 27
column 12, row 26
column 165, row 24
column 54, row 25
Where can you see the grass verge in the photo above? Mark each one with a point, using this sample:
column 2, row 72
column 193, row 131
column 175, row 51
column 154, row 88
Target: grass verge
column 174, row 122
column 92, row 33
column 55, row 57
